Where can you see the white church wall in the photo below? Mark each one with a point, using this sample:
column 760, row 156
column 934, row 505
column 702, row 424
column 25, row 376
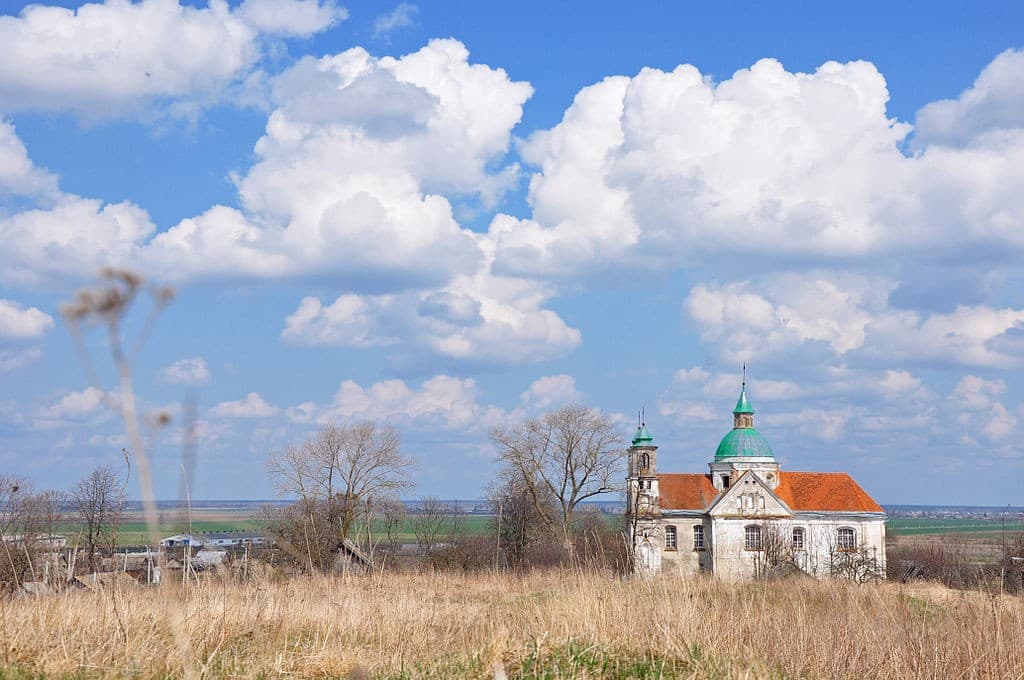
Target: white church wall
column 649, row 543
column 685, row 559
column 822, row 540
column 732, row 561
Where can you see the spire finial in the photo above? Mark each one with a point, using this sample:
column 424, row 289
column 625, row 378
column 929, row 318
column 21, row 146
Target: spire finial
column 642, row 436
column 743, row 405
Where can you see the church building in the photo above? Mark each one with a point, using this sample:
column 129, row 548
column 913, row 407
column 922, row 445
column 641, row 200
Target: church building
column 746, row 517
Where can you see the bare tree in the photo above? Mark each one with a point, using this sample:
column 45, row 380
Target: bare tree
column 429, row 522
column 517, row 523
column 860, row 564
column 98, row 501
column 303, row 532
column 571, row 454
column 458, row 528
column 336, row 474
column 28, row 522
column 393, row 515
column 777, row 556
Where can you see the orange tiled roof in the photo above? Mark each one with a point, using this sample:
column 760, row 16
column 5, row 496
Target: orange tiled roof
column 835, row 491
column 811, row 491
column 685, row 491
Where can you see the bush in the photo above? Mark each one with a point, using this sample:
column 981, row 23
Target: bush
column 1012, row 567
column 952, row 564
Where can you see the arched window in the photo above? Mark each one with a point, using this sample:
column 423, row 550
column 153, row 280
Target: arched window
column 798, row 538
column 645, row 461
column 846, row 538
column 670, row 537
column 698, row 537
column 752, row 537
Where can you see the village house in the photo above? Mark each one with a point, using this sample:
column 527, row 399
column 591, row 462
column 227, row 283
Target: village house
column 214, row 539
column 746, row 517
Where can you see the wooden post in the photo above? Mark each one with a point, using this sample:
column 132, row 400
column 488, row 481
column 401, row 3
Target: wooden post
column 497, row 540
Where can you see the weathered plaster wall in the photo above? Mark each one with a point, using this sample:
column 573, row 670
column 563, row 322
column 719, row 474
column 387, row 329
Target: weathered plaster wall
column 732, row 561
column 685, row 560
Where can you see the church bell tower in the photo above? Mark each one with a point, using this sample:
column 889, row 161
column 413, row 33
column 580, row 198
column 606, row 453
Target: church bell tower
column 643, row 509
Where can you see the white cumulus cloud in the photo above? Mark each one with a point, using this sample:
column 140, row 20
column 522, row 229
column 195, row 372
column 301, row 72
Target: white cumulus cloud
column 982, row 413
column 675, row 164
column 442, row 401
column 352, row 173
column 301, row 18
column 11, row 359
column 20, row 323
column 192, row 372
column 58, row 235
column 671, row 168
column 995, row 102
column 847, row 314
column 478, row 318
column 400, row 17
column 77, row 404
column 973, row 393
column 252, row 406
column 19, row 176
column 744, row 320
column 115, row 58
column 550, row 392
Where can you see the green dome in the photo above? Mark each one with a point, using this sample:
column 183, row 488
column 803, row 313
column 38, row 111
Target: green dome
column 744, row 442
column 643, row 437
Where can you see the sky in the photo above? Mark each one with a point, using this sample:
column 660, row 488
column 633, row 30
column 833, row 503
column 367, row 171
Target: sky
column 451, row 217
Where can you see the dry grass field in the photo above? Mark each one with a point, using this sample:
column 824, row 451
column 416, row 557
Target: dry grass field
column 547, row 625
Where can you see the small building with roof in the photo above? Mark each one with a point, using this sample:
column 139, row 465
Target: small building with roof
column 746, row 517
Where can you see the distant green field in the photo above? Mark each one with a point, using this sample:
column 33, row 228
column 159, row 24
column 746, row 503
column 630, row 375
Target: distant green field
column 912, row 526
column 134, row 533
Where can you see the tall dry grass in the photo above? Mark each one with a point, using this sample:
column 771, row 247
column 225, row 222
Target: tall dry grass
column 569, row 624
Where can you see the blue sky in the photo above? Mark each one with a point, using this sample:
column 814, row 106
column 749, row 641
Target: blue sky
column 454, row 217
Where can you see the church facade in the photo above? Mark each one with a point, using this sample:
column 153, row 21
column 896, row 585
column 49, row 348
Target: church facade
column 746, row 517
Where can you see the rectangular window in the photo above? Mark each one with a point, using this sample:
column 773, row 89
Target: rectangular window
column 670, row 537
column 752, row 537
column 798, row 538
column 698, row 537
column 847, row 540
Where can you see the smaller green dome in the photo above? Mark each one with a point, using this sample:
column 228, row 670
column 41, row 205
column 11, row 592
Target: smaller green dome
column 643, row 437
column 744, row 442
column 742, row 405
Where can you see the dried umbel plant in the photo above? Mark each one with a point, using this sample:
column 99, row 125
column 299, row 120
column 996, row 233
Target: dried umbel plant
column 107, row 305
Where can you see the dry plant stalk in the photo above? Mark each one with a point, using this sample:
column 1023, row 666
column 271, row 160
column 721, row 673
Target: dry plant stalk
column 108, row 305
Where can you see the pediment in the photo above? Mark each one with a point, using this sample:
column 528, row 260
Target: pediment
column 750, row 497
